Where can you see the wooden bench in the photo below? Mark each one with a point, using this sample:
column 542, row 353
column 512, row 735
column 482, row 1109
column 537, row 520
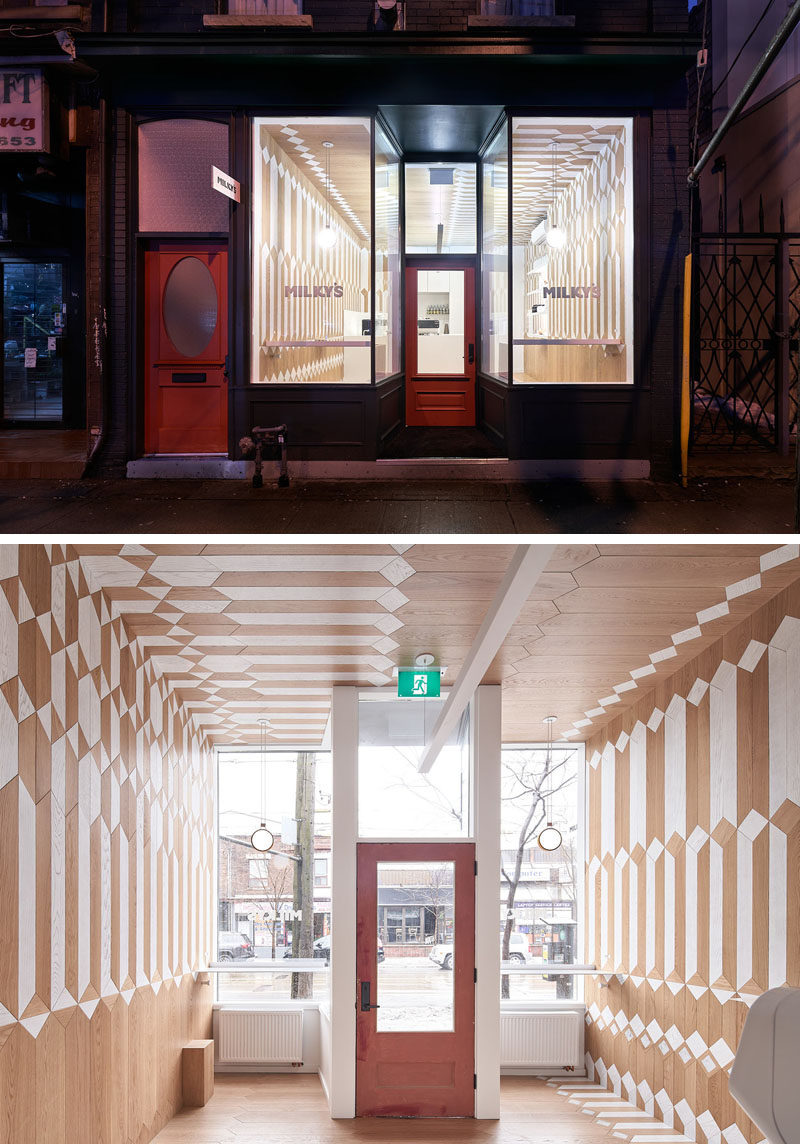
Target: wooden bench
column 198, row 1073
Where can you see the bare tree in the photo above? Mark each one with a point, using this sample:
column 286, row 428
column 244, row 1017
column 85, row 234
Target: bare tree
column 530, row 779
column 276, row 890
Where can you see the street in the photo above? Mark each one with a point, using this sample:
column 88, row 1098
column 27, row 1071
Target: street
column 413, row 992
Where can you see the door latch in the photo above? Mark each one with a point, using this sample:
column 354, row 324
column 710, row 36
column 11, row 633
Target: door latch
column 471, row 354
column 365, row 1001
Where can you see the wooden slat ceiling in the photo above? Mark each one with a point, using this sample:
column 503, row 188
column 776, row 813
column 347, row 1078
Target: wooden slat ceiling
column 577, row 146
column 243, row 632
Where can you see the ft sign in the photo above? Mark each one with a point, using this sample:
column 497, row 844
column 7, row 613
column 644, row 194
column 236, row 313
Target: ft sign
column 422, row 684
column 23, row 111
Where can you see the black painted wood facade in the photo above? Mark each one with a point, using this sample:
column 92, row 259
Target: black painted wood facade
column 167, row 66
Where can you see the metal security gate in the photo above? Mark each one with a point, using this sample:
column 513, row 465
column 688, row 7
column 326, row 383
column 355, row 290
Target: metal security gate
column 745, row 344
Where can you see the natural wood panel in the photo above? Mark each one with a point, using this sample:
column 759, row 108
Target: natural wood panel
column 73, row 1067
column 716, row 916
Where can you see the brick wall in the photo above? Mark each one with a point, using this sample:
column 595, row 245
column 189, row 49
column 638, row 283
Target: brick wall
column 669, row 237
column 347, row 16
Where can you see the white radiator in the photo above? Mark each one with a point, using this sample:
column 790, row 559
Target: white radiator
column 544, row 1040
column 252, row 1037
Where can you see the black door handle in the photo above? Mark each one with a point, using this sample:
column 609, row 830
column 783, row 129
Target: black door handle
column 365, row 1002
column 471, row 357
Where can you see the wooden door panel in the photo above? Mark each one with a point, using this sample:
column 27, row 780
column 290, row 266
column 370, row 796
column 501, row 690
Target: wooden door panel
column 426, row 1072
column 186, row 390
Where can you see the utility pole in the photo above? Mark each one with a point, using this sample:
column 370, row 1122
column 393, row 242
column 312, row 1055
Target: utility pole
column 303, row 930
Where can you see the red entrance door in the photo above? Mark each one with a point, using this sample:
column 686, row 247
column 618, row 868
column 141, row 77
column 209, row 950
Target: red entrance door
column 415, row 1024
column 185, row 343
column 440, row 345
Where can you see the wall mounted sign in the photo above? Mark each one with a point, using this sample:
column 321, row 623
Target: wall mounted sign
column 30, row 357
column 572, row 291
column 226, row 185
column 334, row 291
column 24, row 119
column 418, row 683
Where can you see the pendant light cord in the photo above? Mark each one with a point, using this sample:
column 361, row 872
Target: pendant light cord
column 263, row 726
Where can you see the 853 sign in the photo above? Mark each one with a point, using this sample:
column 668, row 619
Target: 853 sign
column 23, row 110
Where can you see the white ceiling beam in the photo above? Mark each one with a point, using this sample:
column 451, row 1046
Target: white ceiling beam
column 524, row 569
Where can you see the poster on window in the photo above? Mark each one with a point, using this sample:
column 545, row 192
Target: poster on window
column 24, row 124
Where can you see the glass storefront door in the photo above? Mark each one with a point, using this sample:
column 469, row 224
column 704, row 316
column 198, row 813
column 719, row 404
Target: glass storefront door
column 34, row 321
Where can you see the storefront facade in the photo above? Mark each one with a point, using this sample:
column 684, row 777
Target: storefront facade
column 480, row 227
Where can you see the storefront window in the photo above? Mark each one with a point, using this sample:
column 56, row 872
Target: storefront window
column 494, row 257
column 387, row 256
column 312, row 305
column 538, row 888
column 268, row 914
column 572, row 250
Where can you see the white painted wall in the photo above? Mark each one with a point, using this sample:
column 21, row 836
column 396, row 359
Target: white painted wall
column 344, row 834
column 325, row 1050
column 486, row 747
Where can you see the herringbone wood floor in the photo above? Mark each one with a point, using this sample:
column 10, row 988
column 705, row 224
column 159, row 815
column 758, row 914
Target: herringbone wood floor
column 290, row 1109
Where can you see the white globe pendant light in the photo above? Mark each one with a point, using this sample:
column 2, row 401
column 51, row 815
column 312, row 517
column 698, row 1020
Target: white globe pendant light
column 327, row 236
column 262, row 839
column 549, row 836
column 555, row 238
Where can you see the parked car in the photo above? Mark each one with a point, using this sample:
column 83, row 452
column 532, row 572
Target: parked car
column 232, row 945
column 442, row 955
column 322, row 949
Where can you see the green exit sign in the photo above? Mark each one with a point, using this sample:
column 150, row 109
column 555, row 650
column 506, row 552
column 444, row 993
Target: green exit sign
column 418, row 683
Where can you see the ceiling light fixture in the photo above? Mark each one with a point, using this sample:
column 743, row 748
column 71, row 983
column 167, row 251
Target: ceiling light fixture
column 550, row 837
column 262, row 839
column 327, row 235
column 555, row 237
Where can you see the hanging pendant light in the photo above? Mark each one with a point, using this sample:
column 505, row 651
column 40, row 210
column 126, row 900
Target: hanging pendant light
column 550, row 836
column 262, row 839
column 555, row 237
column 327, row 235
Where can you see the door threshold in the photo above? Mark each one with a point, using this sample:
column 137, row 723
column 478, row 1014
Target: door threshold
column 191, row 466
column 442, row 461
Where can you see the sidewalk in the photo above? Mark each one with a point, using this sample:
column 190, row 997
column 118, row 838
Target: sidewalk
column 709, row 505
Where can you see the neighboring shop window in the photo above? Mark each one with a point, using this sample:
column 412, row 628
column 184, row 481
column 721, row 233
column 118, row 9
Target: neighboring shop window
column 572, row 250
column 387, row 256
column 175, row 191
column 494, row 257
column 34, row 319
column 311, row 250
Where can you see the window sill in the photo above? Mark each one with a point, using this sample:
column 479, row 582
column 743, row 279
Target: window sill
column 53, row 14
column 521, row 21
column 258, row 22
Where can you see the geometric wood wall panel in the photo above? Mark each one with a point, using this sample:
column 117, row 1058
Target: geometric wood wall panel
column 693, row 872
column 106, row 829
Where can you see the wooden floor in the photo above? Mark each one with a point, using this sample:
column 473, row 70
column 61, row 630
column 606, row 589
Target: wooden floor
column 288, row 1110
column 58, row 454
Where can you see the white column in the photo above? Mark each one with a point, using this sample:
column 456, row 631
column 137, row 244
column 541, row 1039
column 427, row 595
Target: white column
column 486, row 743
column 344, row 833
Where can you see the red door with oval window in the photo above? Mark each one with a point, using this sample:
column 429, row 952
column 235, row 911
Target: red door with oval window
column 185, row 344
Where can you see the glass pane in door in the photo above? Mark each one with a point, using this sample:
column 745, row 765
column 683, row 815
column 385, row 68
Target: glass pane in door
column 33, row 336
column 440, row 322
column 416, row 930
